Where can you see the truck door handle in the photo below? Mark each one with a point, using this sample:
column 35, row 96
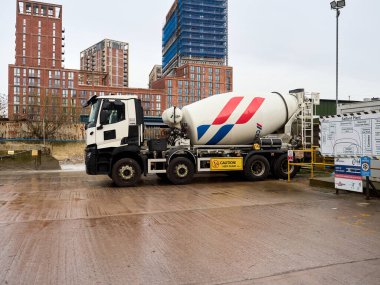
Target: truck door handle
column 91, row 133
column 100, row 128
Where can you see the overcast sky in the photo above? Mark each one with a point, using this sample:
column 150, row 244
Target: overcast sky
column 274, row 45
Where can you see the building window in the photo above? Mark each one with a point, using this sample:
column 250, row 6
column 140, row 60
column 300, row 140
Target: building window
column 169, row 83
column 43, row 10
column 50, row 12
column 16, row 90
column 35, row 10
column 39, row 24
column 217, row 71
column 53, row 26
column 158, row 98
column 28, row 8
column 71, row 84
column 24, row 30
column 24, row 22
column 192, row 68
column 71, row 75
column 21, row 7
column 16, row 71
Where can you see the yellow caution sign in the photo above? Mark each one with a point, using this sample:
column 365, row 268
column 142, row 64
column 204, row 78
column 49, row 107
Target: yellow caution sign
column 226, row 164
column 35, row 152
column 11, row 152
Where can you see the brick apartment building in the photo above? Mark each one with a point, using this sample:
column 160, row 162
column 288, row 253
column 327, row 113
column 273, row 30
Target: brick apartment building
column 193, row 82
column 108, row 56
column 39, row 85
column 195, row 52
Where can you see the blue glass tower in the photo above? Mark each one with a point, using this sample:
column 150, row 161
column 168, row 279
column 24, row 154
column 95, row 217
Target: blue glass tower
column 195, row 30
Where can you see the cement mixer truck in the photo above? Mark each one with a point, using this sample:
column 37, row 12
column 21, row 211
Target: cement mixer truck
column 230, row 133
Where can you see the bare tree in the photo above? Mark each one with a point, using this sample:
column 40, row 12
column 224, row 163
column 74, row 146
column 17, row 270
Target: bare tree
column 3, row 105
column 48, row 123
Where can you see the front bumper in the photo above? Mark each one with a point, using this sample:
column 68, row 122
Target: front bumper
column 90, row 159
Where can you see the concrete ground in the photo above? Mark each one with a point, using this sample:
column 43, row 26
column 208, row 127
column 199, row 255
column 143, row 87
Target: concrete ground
column 70, row 228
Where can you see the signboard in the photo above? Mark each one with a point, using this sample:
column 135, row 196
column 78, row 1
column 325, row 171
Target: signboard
column 365, row 166
column 353, row 135
column 11, row 152
column 290, row 155
column 226, row 164
column 348, row 174
column 34, row 152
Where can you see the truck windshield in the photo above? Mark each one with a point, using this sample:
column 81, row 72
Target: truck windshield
column 93, row 114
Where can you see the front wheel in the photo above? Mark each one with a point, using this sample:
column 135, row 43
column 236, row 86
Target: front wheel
column 256, row 168
column 180, row 171
column 126, row 172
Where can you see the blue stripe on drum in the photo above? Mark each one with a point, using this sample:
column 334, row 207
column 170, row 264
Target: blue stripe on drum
column 221, row 134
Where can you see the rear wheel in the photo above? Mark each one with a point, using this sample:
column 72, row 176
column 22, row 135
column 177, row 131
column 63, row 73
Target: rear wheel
column 280, row 168
column 126, row 172
column 256, row 168
column 180, row 171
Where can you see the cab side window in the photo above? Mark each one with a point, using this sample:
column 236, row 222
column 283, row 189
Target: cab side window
column 115, row 112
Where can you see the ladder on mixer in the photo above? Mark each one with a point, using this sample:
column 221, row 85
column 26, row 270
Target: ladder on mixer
column 307, row 115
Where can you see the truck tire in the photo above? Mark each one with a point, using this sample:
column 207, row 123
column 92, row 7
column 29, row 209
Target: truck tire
column 126, row 172
column 256, row 168
column 280, row 168
column 180, row 171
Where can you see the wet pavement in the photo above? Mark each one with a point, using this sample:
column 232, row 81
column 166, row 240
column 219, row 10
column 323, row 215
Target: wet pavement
column 69, row 228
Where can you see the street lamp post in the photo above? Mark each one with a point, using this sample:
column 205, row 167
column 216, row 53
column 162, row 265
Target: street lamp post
column 337, row 5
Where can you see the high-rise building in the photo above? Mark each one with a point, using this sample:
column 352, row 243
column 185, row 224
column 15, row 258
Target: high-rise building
column 108, row 56
column 39, row 35
column 40, row 87
column 155, row 74
column 195, row 52
column 195, row 31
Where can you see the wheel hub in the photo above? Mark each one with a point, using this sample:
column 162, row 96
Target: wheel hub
column 181, row 170
column 126, row 172
column 284, row 167
column 258, row 168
